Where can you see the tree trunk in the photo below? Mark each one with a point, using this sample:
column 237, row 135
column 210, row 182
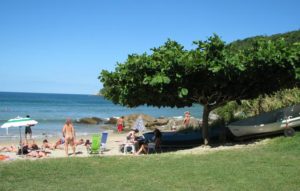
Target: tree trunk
column 205, row 134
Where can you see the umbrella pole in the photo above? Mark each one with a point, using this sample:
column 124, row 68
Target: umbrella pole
column 7, row 131
column 21, row 141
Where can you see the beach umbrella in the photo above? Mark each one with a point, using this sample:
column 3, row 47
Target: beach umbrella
column 19, row 122
column 139, row 124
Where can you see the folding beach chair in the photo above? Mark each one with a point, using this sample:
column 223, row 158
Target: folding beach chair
column 95, row 146
column 154, row 146
column 103, row 141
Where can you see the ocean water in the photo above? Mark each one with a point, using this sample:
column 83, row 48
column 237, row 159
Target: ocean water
column 51, row 111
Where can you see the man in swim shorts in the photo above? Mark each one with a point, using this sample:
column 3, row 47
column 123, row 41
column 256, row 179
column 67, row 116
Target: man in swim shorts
column 28, row 130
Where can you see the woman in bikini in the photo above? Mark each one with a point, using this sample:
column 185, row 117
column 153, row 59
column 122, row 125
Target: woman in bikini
column 69, row 134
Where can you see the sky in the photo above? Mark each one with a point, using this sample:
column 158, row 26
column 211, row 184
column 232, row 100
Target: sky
column 61, row 46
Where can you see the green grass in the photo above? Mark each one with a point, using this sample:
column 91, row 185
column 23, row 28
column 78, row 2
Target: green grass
column 275, row 166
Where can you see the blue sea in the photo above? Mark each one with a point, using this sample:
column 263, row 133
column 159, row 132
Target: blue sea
column 51, row 111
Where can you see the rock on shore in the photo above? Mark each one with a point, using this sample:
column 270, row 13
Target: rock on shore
column 150, row 122
column 90, row 120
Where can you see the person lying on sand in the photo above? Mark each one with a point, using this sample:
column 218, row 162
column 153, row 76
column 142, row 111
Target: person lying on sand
column 79, row 142
column 59, row 142
column 37, row 154
column 31, row 146
column 9, row 149
column 47, row 145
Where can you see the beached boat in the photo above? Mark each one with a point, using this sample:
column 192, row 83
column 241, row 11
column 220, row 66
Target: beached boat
column 182, row 138
column 266, row 123
column 177, row 138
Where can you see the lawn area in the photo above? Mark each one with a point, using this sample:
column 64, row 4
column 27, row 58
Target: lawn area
column 274, row 166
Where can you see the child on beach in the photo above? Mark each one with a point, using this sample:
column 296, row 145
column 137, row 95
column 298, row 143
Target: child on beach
column 120, row 124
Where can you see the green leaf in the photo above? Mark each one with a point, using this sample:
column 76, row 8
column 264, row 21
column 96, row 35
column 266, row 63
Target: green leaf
column 183, row 92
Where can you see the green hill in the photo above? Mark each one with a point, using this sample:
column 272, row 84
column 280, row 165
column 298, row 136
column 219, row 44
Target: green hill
column 290, row 37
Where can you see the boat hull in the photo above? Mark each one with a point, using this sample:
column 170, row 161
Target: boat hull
column 244, row 130
column 177, row 138
column 270, row 122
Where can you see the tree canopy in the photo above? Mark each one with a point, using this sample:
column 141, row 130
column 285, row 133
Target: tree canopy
column 211, row 74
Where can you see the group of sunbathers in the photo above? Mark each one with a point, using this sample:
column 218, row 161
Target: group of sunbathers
column 28, row 149
column 60, row 142
column 33, row 150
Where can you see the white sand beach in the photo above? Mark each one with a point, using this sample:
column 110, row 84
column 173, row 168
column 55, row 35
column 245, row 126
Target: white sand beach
column 113, row 147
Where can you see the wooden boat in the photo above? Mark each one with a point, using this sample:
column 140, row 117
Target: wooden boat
column 266, row 123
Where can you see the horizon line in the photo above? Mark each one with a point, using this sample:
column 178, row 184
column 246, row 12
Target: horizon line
column 49, row 93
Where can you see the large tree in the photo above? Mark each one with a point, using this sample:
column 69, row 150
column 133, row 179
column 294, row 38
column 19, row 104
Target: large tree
column 211, row 75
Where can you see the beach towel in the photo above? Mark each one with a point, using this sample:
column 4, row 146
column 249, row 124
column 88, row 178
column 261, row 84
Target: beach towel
column 4, row 157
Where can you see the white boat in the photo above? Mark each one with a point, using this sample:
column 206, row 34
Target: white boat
column 270, row 122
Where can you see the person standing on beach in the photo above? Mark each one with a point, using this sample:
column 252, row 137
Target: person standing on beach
column 120, row 124
column 28, row 131
column 69, row 135
column 187, row 118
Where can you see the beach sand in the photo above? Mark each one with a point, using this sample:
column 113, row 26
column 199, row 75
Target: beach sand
column 114, row 141
column 113, row 147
